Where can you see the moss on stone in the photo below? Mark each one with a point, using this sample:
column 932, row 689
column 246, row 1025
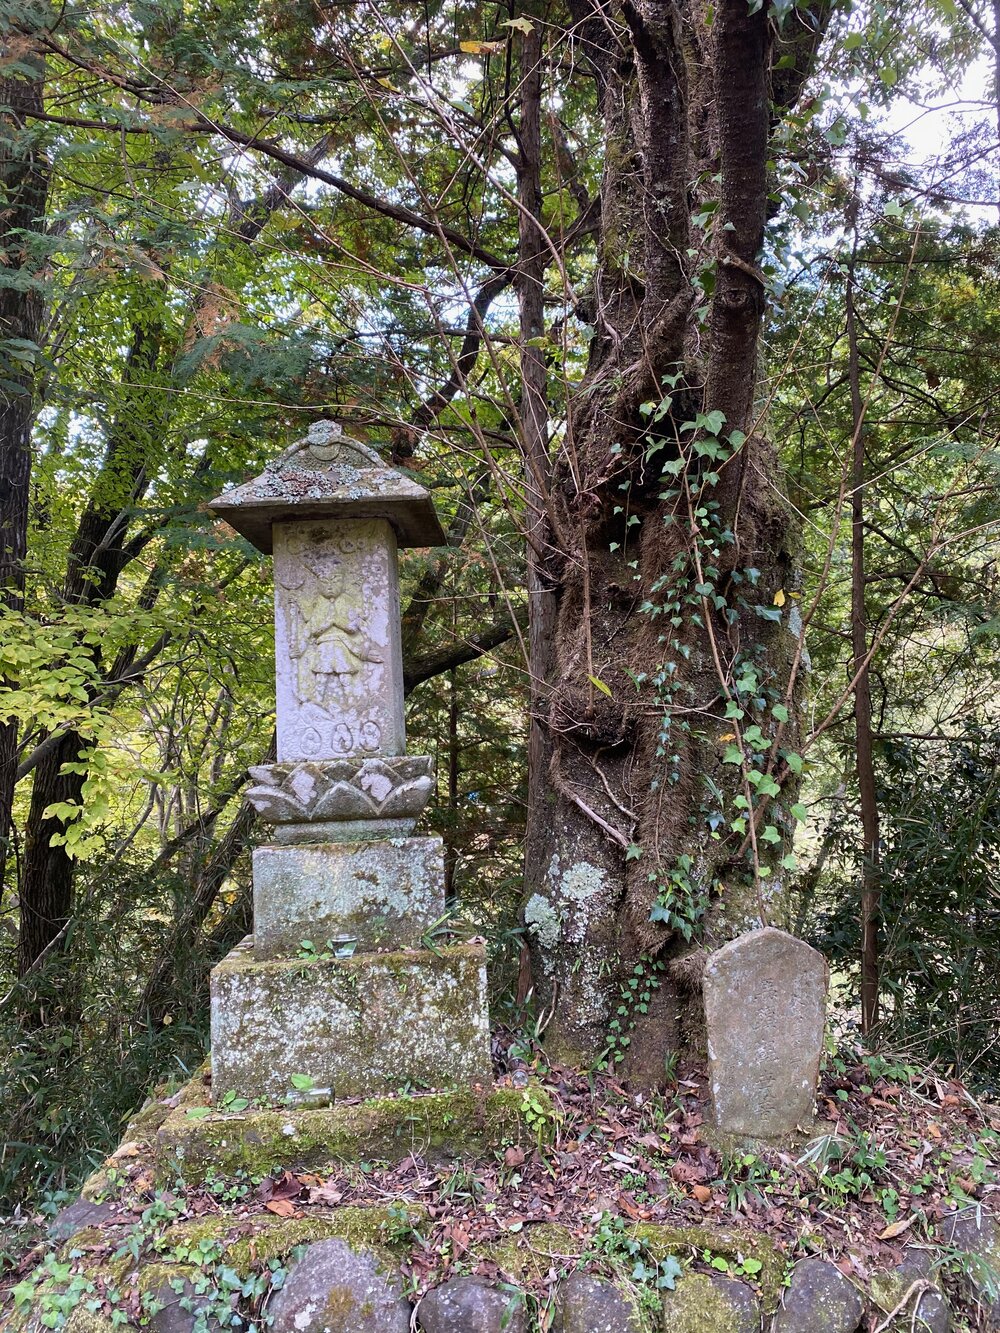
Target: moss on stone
column 104, row 1263
column 686, row 1242
column 444, row 1125
column 246, row 1241
column 147, row 1121
column 530, row 1253
column 152, row 1277
column 697, row 1306
column 88, row 1321
column 98, row 1186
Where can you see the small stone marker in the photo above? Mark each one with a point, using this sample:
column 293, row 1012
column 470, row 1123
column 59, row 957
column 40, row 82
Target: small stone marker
column 342, row 874
column 765, row 1008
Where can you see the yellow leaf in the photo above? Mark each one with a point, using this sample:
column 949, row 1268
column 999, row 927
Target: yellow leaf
column 388, row 83
column 897, row 1228
column 600, row 685
column 729, row 736
column 480, row 48
column 779, row 597
column 521, row 24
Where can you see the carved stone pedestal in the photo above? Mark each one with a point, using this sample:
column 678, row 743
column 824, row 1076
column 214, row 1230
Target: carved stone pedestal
column 379, row 894
column 375, row 1023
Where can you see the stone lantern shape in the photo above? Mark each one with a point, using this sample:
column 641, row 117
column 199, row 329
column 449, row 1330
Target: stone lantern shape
column 334, row 986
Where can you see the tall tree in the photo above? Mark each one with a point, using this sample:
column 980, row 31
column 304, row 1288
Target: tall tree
column 23, row 191
column 669, row 692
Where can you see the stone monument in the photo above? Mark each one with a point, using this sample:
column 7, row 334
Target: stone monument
column 765, row 1009
column 333, row 994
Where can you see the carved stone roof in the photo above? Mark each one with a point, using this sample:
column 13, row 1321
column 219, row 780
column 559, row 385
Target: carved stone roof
column 329, row 475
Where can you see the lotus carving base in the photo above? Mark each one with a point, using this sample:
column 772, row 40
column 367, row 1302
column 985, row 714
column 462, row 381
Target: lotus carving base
column 342, row 799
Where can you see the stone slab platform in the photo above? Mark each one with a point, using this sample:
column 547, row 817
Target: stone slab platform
column 185, row 1136
column 384, row 894
column 361, row 1026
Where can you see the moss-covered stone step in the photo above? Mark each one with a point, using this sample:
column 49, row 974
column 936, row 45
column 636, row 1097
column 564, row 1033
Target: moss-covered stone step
column 193, row 1141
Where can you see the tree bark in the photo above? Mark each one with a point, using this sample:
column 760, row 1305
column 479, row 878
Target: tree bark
column 534, row 440
column 861, row 674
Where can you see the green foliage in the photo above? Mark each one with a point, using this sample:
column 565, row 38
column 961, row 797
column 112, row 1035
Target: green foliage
column 616, row 1246
column 940, row 860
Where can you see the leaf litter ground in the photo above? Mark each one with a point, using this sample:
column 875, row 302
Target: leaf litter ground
column 892, row 1150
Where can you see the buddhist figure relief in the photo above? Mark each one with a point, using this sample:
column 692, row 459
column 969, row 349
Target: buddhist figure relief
column 338, row 657
column 327, row 636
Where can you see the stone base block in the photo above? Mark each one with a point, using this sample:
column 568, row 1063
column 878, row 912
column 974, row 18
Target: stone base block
column 361, row 1026
column 383, row 894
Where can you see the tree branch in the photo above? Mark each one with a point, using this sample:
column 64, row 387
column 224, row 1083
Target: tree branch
column 417, row 670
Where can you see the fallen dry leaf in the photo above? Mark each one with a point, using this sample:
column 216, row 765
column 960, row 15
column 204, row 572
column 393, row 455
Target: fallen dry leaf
column 282, row 1207
column 897, row 1228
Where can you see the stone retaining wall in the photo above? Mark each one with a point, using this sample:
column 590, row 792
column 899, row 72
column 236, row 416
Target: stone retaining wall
column 343, row 1274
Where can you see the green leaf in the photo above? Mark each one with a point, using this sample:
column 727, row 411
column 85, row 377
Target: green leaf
column 780, row 712
column 303, row 1082
column 599, row 684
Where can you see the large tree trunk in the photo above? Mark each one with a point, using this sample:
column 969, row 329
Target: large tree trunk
column 23, row 192
column 534, row 439
column 672, row 564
